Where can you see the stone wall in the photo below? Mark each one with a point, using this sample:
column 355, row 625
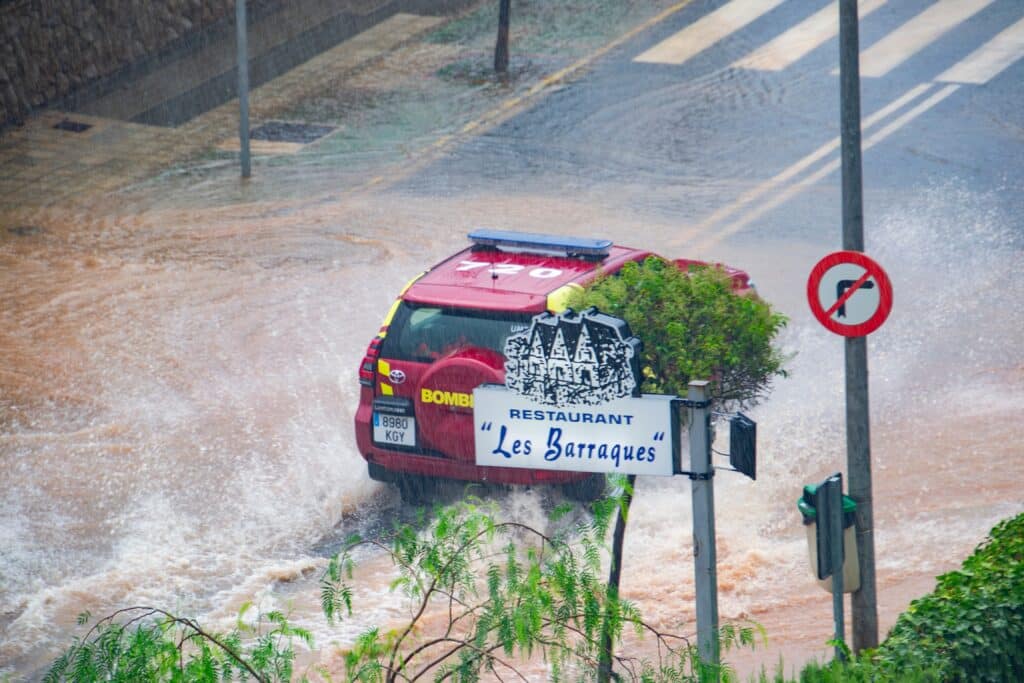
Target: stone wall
column 51, row 49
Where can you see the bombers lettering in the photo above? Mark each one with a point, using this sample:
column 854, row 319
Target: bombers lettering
column 570, row 416
column 446, row 398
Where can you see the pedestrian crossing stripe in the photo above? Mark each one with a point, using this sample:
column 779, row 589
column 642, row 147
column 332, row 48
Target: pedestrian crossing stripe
column 989, row 60
column 799, row 41
column 707, row 31
column 916, row 34
column 898, row 46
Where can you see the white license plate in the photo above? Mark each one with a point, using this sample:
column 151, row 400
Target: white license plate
column 394, row 430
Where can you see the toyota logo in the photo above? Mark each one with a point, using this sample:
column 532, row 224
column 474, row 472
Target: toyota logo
column 396, row 376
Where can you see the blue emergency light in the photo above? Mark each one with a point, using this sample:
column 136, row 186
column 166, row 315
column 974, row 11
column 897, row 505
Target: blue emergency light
column 534, row 243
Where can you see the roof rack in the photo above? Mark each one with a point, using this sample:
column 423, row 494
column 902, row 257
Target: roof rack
column 534, row 243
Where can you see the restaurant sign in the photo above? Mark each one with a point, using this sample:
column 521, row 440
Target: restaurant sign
column 571, row 402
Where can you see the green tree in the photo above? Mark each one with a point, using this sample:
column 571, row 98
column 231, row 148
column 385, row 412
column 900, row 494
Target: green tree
column 143, row 643
column 693, row 326
column 504, row 591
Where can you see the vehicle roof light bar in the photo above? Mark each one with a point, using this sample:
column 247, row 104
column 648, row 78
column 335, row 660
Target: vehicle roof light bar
column 534, row 243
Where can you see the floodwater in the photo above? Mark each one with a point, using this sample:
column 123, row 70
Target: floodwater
column 177, row 388
column 178, row 361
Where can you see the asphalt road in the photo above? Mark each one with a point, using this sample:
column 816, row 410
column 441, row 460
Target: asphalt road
column 689, row 139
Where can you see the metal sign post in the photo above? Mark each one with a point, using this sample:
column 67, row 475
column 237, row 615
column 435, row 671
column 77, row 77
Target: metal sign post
column 829, row 506
column 858, row 433
column 703, row 493
column 241, row 31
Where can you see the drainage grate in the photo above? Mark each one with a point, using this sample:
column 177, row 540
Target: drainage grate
column 284, row 131
column 73, row 126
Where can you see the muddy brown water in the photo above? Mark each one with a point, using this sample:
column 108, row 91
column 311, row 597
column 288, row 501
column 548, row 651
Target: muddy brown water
column 177, row 385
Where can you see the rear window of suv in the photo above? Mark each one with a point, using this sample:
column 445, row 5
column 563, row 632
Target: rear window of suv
column 424, row 333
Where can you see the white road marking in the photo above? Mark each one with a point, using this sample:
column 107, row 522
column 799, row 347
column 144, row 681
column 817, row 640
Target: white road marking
column 803, row 164
column 793, row 190
column 809, row 34
column 707, row 31
column 990, row 59
column 931, row 24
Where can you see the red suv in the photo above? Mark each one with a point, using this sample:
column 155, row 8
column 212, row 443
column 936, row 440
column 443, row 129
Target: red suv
column 444, row 336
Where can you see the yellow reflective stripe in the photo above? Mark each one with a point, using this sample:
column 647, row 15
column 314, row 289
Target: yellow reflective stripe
column 386, row 389
column 394, row 307
column 409, row 283
column 558, row 300
column 387, row 319
column 383, row 367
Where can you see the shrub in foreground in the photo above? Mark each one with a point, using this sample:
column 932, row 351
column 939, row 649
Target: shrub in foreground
column 970, row 628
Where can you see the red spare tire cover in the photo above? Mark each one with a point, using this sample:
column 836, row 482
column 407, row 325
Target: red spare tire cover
column 444, row 415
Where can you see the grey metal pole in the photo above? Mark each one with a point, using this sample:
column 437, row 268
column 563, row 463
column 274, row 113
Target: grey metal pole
column 241, row 30
column 501, row 47
column 849, row 112
column 703, row 493
column 858, row 434
column 836, row 538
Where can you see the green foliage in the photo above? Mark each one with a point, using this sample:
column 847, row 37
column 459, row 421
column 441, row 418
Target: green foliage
column 508, row 592
column 149, row 644
column 971, row 627
column 859, row 670
column 693, row 327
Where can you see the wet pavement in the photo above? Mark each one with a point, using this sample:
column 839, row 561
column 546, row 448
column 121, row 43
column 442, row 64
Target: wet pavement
column 171, row 333
column 47, row 165
column 680, row 138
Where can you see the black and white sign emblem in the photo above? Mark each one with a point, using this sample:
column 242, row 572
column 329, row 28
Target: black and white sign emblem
column 396, row 376
column 586, row 358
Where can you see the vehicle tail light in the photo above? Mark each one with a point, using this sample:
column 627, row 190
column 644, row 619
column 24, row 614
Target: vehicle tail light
column 368, row 368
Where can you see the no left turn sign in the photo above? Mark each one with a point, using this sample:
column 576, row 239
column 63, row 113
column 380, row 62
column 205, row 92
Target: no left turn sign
column 849, row 293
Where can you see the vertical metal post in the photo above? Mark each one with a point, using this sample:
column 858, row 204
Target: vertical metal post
column 849, row 113
column 241, row 30
column 858, row 435
column 703, row 494
column 501, row 47
column 834, row 509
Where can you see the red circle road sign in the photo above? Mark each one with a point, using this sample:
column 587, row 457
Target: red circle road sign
column 849, row 293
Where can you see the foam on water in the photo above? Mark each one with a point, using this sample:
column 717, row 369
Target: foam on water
column 178, row 429
column 183, row 435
